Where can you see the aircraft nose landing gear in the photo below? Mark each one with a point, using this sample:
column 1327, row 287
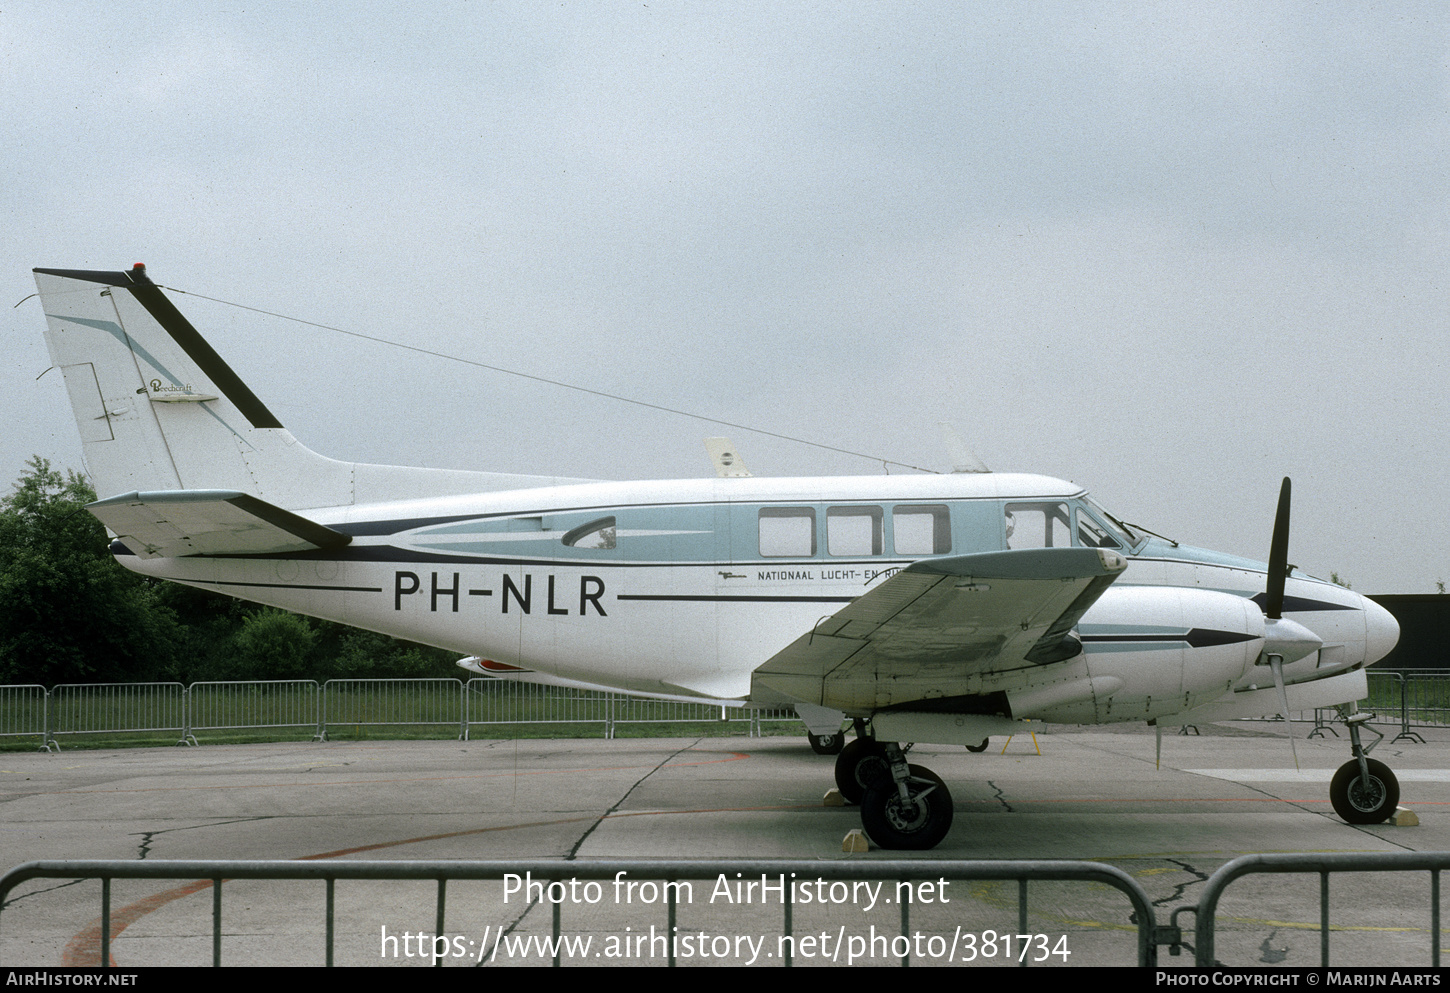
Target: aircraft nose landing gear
column 1364, row 790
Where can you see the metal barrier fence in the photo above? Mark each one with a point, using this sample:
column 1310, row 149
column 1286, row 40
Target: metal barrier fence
column 1414, row 700
column 115, row 708
column 1324, row 865
column 503, row 701
column 88, row 708
column 1389, row 702
column 237, row 706
column 1425, row 699
column 24, row 710
column 506, row 701
column 394, row 702
column 563, row 873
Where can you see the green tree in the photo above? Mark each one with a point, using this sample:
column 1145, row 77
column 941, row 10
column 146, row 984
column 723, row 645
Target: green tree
column 68, row 612
column 275, row 644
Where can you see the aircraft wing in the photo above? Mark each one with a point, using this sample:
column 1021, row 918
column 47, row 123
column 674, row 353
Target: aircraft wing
column 172, row 523
column 935, row 627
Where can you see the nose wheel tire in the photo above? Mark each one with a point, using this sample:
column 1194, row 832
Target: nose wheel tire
column 827, row 744
column 861, row 762
column 1364, row 802
column 916, row 824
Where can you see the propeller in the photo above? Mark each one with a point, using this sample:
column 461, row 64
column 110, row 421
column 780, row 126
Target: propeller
column 1284, row 640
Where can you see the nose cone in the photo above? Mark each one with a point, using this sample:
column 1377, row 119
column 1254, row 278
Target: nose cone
column 1381, row 632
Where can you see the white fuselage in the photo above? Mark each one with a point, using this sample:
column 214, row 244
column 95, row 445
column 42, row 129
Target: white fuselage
column 685, row 587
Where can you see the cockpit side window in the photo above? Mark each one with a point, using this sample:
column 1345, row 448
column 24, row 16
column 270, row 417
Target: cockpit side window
column 1038, row 525
column 1092, row 533
column 1124, row 535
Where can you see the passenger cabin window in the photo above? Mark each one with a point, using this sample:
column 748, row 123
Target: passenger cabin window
column 1038, row 525
column 595, row 534
column 788, row 532
column 921, row 530
column 853, row 530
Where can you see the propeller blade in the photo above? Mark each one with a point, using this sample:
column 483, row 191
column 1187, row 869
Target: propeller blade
column 1278, row 557
column 1158, row 758
column 1276, row 663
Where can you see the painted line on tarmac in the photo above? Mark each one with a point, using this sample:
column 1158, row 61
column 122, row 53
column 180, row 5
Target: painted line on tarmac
column 1313, row 775
column 84, row 949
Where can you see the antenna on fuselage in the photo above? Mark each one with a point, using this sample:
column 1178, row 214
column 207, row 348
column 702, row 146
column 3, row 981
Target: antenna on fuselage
column 726, row 457
column 962, row 458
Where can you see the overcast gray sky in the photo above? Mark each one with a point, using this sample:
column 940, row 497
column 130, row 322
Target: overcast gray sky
column 1170, row 251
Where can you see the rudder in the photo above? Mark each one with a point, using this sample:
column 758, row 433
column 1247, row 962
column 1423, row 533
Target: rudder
column 158, row 409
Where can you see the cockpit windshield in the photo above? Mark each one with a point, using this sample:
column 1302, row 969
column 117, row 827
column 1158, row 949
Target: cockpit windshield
column 1102, row 523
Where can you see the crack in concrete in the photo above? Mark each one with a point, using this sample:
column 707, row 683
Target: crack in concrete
column 574, row 851
column 147, row 837
column 1000, row 797
column 1179, row 889
column 49, row 889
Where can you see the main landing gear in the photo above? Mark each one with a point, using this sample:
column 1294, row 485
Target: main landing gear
column 903, row 806
column 1363, row 791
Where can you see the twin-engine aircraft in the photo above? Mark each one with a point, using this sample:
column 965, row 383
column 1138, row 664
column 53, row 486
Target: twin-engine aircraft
column 928, row 608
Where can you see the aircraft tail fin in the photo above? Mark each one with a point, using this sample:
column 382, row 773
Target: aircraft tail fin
column 158, row 409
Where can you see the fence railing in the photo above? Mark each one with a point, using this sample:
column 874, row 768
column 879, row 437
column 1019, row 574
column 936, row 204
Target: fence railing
column 395, row 702
column 556, row 879
column 92, row 708
column 900, row 942
column 24, row 711
column 239, row 706
column 1324, row 865
column 1408, row 700
column 123, row 708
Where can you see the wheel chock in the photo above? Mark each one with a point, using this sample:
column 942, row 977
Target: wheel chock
column 855, row 841
column 1404, row 817
column 833, row 798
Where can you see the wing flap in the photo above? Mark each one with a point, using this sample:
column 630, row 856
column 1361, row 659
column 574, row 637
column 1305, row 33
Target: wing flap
column 174, row 523
column 929, row 629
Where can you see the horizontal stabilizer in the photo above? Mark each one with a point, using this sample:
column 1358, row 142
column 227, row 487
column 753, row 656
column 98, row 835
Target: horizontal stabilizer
column 173, row 523
column 929, row 629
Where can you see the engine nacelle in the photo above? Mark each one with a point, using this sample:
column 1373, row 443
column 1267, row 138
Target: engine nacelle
column 1151, row 650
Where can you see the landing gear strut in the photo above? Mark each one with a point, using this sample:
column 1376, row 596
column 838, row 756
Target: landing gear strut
column 902, row 806
column 1363, row 791
column 909, row 809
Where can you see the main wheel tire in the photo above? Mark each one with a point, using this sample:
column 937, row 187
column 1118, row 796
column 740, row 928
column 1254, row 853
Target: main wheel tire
column 1360, row 802
column 827, row 744
column 980, row 748
column 893, row 823
column 860, row 763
